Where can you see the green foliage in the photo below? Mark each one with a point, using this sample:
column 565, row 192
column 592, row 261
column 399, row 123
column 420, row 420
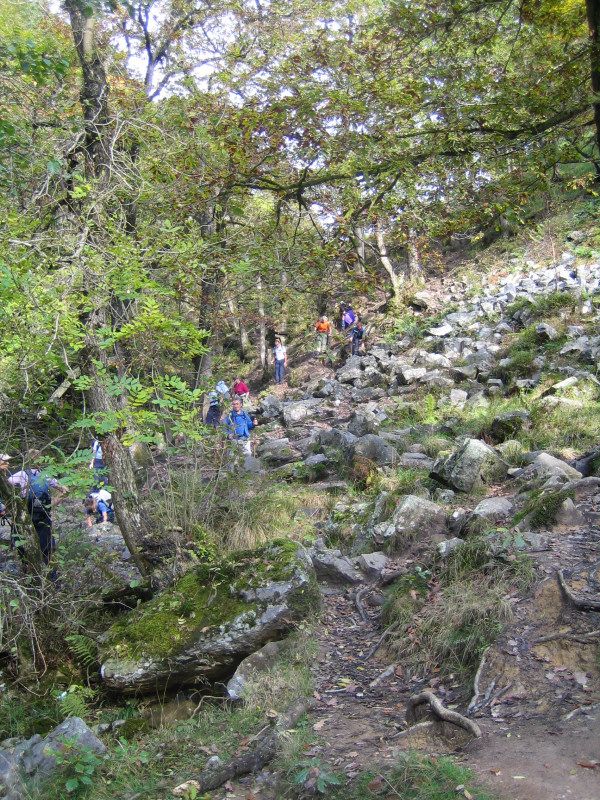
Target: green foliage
column 542, row 507
column 414, row 777
column 22, row 717
column 76, row 768
column 83, row 648
column 313, row 777
column 74, row 702
column 544, row 305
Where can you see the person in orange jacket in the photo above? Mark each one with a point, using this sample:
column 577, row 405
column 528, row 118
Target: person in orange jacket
column 323, row 329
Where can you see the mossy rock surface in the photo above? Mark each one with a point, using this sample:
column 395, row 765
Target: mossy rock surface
column 213, row 617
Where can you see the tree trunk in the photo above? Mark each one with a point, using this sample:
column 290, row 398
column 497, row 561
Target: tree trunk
column 412, row 254
column 262, row 325
column 239, row 327
column 593, row 17
column 94, row 102
column 386, row 263
column 94, row 86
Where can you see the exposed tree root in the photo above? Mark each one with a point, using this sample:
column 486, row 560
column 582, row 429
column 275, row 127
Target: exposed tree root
column 582, row 603
column 420, row 726
column 381, row 640
column 428, row 698
column 265, row 749
column 580, row 638
column 358, row 597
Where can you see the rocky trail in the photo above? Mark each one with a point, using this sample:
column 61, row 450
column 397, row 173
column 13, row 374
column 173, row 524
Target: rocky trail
column 416, row 446
column 537, row 693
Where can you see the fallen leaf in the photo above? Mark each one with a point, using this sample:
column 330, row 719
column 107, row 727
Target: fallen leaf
column 496, row 772
column 318, row 725
column 353, row 754
column 588, row 764
column 519, row 777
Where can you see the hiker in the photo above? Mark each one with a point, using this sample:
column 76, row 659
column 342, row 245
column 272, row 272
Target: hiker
column 238, row 424
column 357, row 337
column 98, row 465
column 281, row 361
column 99, row 507
column 323, row 329
column 213, row 415
column 348, row 316
column 35, row 489
column 240, row 389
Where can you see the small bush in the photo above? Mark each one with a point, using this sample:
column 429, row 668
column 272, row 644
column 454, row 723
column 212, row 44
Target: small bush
column 544, row 304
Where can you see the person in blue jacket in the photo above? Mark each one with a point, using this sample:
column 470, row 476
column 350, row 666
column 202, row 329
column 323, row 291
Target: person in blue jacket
column 238, row 425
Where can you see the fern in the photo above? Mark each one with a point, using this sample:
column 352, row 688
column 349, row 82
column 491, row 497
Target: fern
column 74, row 702
column 83, row 649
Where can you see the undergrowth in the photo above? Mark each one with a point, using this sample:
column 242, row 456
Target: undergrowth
column 414, row 777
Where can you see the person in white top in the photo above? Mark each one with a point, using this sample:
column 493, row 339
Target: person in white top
column 281, row 361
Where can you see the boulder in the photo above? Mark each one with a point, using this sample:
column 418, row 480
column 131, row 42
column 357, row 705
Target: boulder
column 209, row 620
column 254, row 664
column 278, row 451
column 270, row 407
column 547, row 466
column 35, row 759
column 299, row 410
column 409, row 375
column 441, row 330
column 364, row 422
column 472, row 464
column 332, row 567
column 414, row 518
column 376, row 449
column 546, row 333
column 494, row 509
column 341, row 440
column 373, row 564
column 351, row 370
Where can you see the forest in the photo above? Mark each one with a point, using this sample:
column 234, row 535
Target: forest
column 299, row 430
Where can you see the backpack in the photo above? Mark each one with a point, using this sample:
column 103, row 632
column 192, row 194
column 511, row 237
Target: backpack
column 349, row 316
column 38, row 490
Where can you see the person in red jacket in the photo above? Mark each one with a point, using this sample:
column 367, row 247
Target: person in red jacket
column 240, row 389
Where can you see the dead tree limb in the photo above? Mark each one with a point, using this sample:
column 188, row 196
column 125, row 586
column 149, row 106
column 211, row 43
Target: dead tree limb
column 394, row 626
column 428, row 698
column 582, row 603
column 264, row 750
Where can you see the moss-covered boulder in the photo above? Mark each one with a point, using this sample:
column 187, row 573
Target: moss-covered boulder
column 472, row 464
column 214, row 616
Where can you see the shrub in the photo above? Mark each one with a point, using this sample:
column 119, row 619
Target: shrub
column 542, row 507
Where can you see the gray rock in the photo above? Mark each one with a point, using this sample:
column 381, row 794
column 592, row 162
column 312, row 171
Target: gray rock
column 409, row 375
column 472, row 464
column 443, row 495
column 339, row 439
column 569, row 515
column 423, row 299
column 494, row 509
column 270, row 407
column 458, row 397
column 546, row 333
column 278, row 451
column 441, row 330
column 351, row 370
column 299, row 410
column 449, row 546
column 414, row 518
column 332, row 567
column 253, row 665
column 546, row 465
column 35, row 759
column 200, row 628
column 376, row 449
column 373, row 564
column 364, row 422
column 415, row 461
